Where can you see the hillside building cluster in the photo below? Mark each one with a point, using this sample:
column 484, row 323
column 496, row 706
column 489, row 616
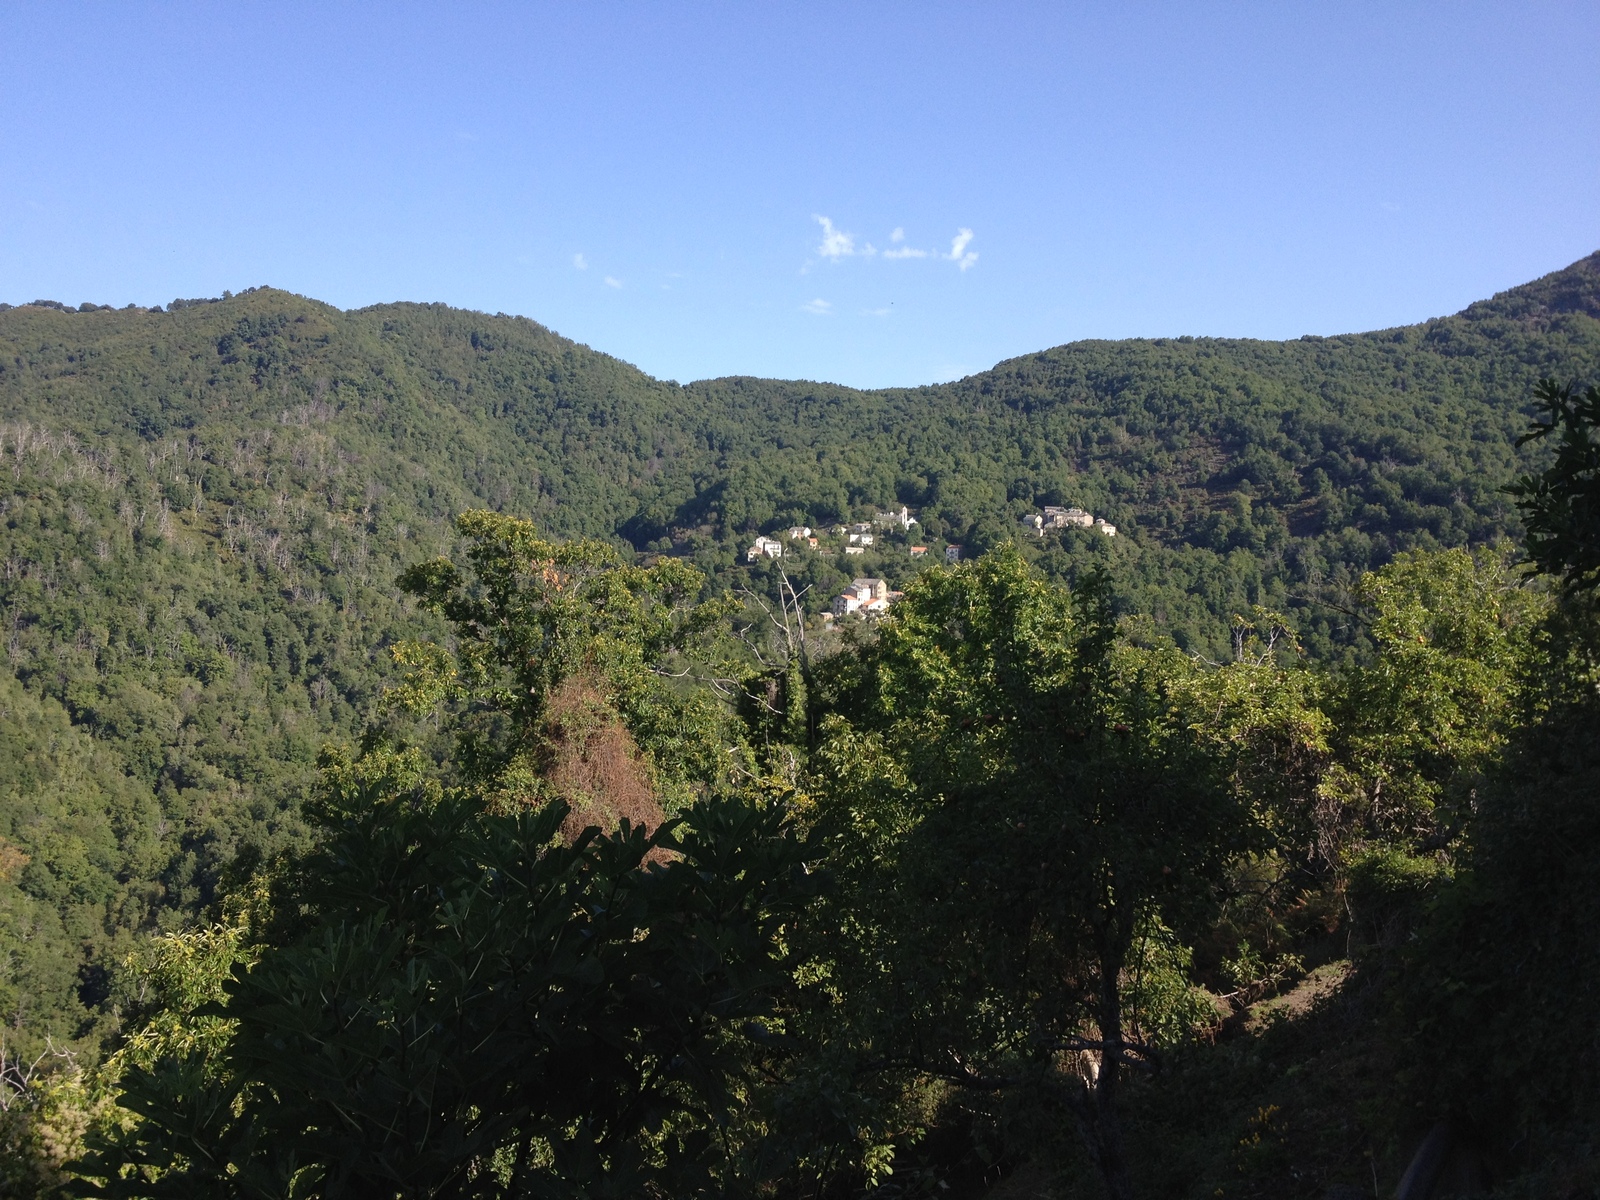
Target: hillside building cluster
column 764, row 547
column 856, row 536
column 1053, row 517
column 864, row 598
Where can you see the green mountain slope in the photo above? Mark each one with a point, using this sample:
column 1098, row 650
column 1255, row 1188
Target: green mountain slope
column 204, row 510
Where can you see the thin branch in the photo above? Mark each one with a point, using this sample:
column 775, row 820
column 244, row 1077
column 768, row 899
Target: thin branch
column 1131, row 1054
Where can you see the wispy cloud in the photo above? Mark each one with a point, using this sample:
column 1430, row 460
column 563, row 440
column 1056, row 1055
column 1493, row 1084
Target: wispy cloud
column 817, row 308
column 959, row 254
column 877, row 312
column 899, row 249
column 580, row 262
column 613, row 282
column 836, row 243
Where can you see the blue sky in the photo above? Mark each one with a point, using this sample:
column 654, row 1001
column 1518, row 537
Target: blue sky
column 871, row 193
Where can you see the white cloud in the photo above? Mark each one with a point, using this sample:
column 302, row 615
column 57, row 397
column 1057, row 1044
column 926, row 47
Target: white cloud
column 613, row 282
column 959, row 254
column 817, row 308
column 580, row 262
column 836, row 243
column 877, row 312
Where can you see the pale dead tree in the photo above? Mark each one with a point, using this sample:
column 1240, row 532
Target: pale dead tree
column 789, row 622
column 726, row 688
column 19, row 1077
column 787, row 630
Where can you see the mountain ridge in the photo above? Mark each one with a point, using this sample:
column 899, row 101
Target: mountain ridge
column 1574, row 288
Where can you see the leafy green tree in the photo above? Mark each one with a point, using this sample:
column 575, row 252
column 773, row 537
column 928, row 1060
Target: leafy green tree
column 474, row 1009
column 1493, row 1011
column 1018, row 806
column 537, row 615
column 1561, row 505
column 1419, row 727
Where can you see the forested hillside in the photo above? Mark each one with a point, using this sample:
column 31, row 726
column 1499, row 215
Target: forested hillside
column 1315, row 457
column 209, row 512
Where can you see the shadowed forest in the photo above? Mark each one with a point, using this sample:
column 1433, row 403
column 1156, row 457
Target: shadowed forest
column 410, row 790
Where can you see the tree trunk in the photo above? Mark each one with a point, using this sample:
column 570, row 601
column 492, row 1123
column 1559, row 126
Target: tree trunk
column 1103, row 1125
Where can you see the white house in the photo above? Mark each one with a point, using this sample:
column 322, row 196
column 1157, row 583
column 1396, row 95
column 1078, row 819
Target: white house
column 861, row 539
column 952, row 554
column 799, row 533
column 1105, row 527
column 1066, row 518
column 855, row 549
column 771, row 547
column 869, row 588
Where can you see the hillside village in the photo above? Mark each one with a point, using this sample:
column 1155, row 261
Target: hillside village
column 869, row 596
column 853, row 539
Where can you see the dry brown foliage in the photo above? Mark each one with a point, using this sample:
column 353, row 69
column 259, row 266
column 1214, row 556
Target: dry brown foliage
column 591, row 761
column 12, row 860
